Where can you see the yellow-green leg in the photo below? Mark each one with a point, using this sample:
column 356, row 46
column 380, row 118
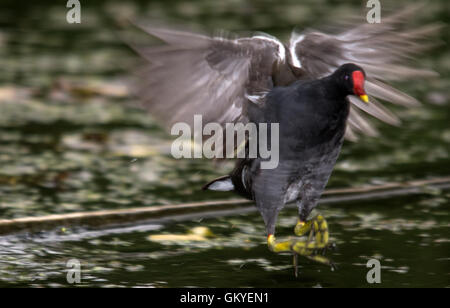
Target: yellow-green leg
column 317, row 229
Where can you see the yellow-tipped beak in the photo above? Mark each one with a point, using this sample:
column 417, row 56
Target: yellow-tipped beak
column 364, row 98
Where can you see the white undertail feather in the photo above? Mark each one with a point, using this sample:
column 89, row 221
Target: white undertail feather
column 222, row 185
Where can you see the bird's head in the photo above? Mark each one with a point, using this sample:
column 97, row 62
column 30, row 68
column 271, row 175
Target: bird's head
column 352, row 77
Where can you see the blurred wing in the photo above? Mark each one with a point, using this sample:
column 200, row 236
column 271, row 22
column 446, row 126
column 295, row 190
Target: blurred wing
column 381, row 49
column 210, row 76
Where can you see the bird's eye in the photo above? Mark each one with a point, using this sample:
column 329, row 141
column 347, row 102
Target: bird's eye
column 346, row 77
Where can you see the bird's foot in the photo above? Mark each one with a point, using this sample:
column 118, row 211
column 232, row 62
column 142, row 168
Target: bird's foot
column 312, row 248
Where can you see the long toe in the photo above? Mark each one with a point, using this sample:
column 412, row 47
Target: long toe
column 313, row 247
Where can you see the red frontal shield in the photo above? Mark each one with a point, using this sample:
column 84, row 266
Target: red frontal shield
column 358, row 83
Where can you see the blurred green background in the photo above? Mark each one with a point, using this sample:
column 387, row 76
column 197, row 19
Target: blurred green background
column 72, row 139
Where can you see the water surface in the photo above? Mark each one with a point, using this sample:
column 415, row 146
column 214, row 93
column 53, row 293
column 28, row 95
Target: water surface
column 71, row 139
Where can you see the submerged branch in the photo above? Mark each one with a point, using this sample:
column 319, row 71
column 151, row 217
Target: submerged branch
column 216, row 208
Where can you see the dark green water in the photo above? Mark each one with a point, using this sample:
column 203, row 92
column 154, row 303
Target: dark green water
column 71, row 140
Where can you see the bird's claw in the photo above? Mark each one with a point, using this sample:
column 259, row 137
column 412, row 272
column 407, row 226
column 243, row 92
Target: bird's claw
column 316, row 243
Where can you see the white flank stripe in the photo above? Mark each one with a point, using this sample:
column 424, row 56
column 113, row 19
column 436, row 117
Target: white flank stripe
column 256, row 99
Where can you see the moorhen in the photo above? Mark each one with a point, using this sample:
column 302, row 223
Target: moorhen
column 312, row 118
column 313, row 87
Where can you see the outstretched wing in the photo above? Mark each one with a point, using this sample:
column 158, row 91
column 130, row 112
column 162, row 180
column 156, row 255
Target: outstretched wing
column 383, row 50
column 194, row 74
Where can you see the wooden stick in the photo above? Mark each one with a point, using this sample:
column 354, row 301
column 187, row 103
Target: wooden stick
column 108, row 217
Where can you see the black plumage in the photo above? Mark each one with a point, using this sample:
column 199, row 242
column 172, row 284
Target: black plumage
column 312, row 119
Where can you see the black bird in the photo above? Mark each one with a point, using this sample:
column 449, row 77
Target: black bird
column 304, row 85
column 312, row 117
